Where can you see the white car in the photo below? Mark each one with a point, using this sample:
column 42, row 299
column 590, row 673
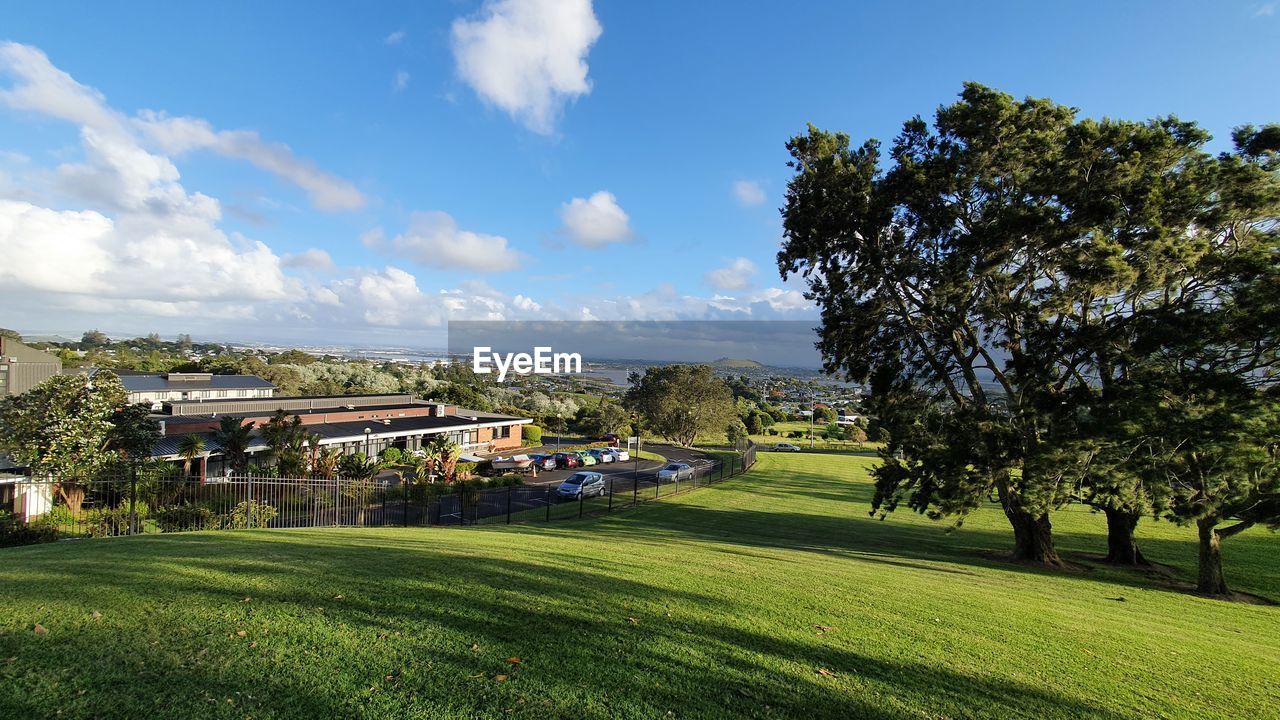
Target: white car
column 676, row 472
column 620, row 455
column 580, row 485
column 786, row 447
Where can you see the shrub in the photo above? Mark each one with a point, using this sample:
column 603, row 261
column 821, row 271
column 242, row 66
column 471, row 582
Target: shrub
column 184, row 517
column 248, row 514
column 392, row 455
column 13, row 532
column 507, row 480
column 464, row 470
column 531, row 434
column 108, row 522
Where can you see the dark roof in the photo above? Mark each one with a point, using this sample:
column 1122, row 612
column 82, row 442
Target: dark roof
column 152, row 383
column 354, row 430
column 206, row 417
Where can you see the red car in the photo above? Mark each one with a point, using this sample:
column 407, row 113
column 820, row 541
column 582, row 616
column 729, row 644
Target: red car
column 611, row 438
column 567, row 460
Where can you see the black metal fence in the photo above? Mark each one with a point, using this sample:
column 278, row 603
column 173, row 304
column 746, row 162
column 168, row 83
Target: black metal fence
column 35, row 509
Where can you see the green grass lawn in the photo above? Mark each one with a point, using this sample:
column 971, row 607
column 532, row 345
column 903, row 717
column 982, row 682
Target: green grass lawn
column 773, row 596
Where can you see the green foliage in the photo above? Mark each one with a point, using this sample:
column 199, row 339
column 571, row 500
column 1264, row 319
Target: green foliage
column 679, row 402
column 62, row 427
column 531, row 435
column 248, row 514
column 233, row 436
column 133, row 433
column 185, row 517
column 1082, row 231
column 392, row 456
column 14, row 533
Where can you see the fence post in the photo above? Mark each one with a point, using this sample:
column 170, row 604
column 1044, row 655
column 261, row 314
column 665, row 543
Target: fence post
column 248, row 506
column 635, row 490
column 582, row 498
column 548, row 503
column 610, row 494
column 404, row 503
column 508, row 504
column 133, row 498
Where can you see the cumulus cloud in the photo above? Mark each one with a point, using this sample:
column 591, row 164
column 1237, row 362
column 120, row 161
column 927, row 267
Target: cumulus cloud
column 310, row 259
column 395, row 38
column 749, row 193
column 596, row 221
column 734, row 276
column 433, row 239
column 527, row 57
column 401, row 81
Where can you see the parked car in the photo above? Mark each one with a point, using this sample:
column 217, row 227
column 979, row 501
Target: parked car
column 567, row 460
column 676, row 471
column 602, row 455
column 544, row 462
column 611, row 438
column 786, row 447
column 585, row 458
column 620, row 454
column 582, row 484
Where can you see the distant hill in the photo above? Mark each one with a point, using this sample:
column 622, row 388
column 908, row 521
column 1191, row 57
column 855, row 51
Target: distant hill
column 736, row 364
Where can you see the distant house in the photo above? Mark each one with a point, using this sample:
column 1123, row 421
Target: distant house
column 22, row 367
column 156, row 389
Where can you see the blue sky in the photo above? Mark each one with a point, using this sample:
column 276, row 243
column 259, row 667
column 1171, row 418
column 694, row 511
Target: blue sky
column 511, row 159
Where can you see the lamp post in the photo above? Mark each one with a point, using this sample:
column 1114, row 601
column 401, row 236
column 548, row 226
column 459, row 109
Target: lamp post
column 366, row 442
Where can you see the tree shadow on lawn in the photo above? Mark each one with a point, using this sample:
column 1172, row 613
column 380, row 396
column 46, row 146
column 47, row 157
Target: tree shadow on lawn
column 902, row 543
column 422, row 632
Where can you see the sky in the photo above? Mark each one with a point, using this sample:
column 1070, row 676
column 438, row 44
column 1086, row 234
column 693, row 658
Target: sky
column 327, row 173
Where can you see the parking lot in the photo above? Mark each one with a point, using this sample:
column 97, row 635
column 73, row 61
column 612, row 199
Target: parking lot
column 621, row 475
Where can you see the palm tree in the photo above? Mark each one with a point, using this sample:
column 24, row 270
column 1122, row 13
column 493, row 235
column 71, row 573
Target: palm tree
column 325, row 464
column 190, row 447
column 234, row 437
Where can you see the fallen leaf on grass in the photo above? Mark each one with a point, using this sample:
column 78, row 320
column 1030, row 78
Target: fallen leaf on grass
column 339, row 597
column 247, row 599
column 41, row 630
column 253, row 644
column 476, row 675
column 241, row 633
column 824, row 672
column 633, row 621
column 823, row 629
column 95, row 615
column 499, row 678
column 513, row 661
column 475, row 647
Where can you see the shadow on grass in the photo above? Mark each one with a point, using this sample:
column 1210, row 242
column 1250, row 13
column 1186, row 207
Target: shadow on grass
column 421, row 631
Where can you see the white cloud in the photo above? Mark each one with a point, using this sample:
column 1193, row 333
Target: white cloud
column 596, row 221
column 434, row 239
column 179, row 135
column 527, row 57
column 749, row 193
column 401, row 81
column 396, row 37
column 42, row 88
column 1265, row 10
column 310, row 259
column 734, row 276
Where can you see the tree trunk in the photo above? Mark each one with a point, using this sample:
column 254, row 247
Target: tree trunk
column 1032, row 534
column 1122, row 546
column 1032, row 537
column 73, row 495
column 1211, row 580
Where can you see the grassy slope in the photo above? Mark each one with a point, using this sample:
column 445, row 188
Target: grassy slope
column 703, row 606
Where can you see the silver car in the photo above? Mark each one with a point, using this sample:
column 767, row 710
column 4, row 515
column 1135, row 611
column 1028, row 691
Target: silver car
column 676, row 471
column 582, row 485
